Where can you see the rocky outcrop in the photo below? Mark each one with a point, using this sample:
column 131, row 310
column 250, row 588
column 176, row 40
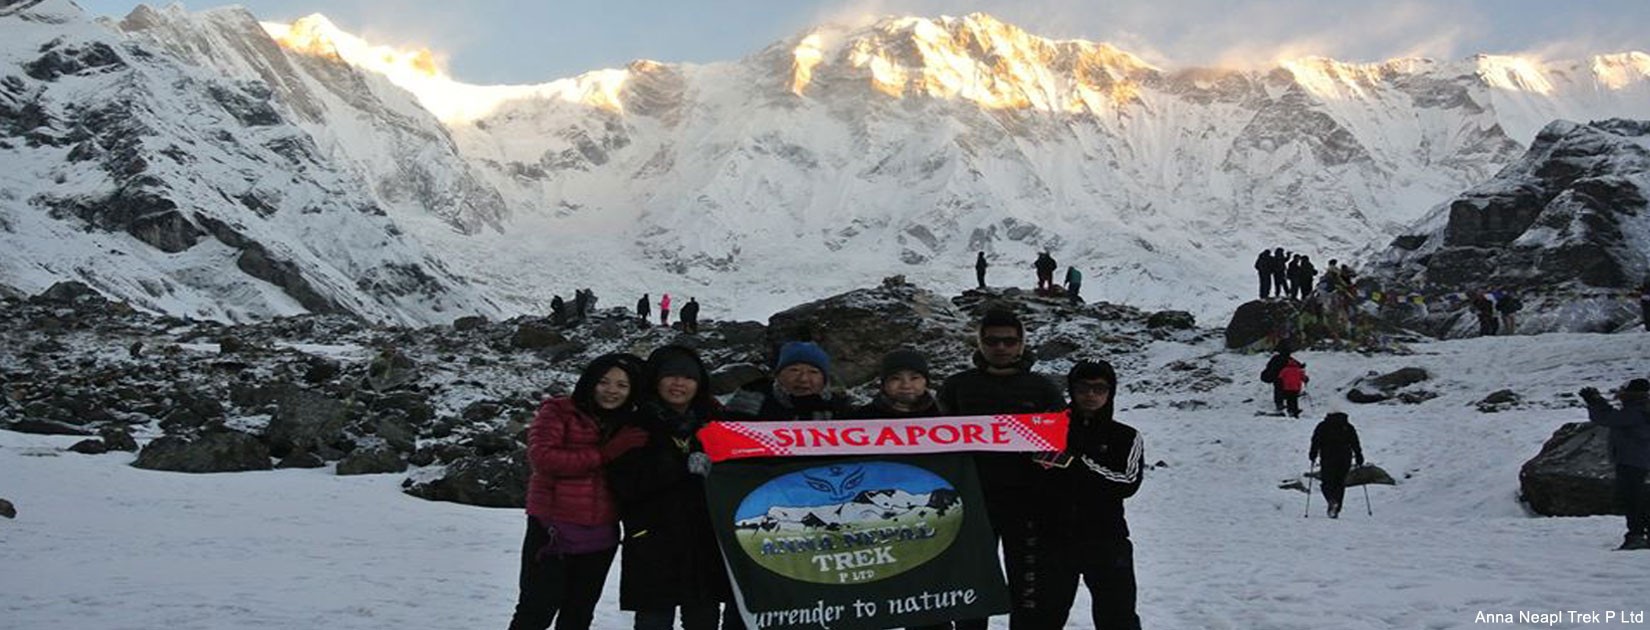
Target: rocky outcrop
column 489, row 481
column 223, row 451
column 1572, row 475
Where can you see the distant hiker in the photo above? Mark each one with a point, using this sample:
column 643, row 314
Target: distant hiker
column 1074, row 285
column 902, row 388
column 1485, row 310
column 589, row 302
column 1045, row 267
column 572, row 517
column 670, row 562
column 1274, row 367
column 1001, row 381
column 798, row 390
column 1280, row 277
column 643, row 309
column 558, row 311
column 581, row 305
column 1644, row 303
column 1291, row 271
column 1305, row 276
column 690, row 316
column 664, row 310
column 1292, row 379
column 1508, row 305
column 979, row 269
column 1629, row 450
column 1085, row 535
column 1337, row 441
column 1263, row 269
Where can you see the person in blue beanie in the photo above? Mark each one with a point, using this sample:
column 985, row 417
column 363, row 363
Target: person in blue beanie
column 799, row 389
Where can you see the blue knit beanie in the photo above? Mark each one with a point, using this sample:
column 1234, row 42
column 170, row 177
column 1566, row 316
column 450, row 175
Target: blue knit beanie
column 804, row 352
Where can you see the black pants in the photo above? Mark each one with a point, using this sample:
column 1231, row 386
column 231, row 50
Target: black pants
column 1106, row 568
column 569, row 584
column 694, row 617
column 1277, row 395
column 1332, row 480
column 1291, row 403
column 1280, row 284
column 979, row 276
column 1630, row 495
column 1265, row 285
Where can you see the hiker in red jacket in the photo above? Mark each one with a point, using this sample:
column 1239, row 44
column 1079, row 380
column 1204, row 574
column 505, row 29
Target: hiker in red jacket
column 1292, row 379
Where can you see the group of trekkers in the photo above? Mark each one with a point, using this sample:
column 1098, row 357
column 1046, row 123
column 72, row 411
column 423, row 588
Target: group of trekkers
column 1496, row 311
column 622, row 450
column 584, row 303
column 1044, row 265
column 690, row 313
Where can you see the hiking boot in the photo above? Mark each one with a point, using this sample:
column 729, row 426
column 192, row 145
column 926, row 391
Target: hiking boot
column 1635, row 541
column 1334, row 510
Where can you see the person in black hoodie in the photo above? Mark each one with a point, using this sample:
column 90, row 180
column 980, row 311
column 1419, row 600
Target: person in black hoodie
column 1001, row 381
column 1629, row 450
column 798, row 391
column 1337, row 441
column 1086, row 531
column 670, row 560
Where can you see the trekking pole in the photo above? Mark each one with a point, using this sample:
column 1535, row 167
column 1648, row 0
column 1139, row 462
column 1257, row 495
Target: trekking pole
column 1367, row 509
column 1307, row 513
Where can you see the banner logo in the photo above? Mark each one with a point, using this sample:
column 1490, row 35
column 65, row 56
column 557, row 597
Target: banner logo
column 849, row 523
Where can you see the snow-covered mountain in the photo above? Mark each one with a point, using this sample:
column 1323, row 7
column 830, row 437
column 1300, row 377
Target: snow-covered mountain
column 866, row 507
column 847, row 153
column 183, row 190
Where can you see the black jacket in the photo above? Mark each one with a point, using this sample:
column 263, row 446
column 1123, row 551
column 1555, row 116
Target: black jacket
column 879, row 409
column 690, row 311
column 1108, row 461
column 1337, row 442
column 1006, row 478
column 670, row 556
column 1273, row 367
column 1629, row 430
column 762, row 400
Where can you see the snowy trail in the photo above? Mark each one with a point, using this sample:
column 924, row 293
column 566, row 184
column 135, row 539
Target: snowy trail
column 99, row 544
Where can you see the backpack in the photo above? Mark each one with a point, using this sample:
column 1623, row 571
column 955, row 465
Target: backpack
column 1292, row 377
column 1510, row 304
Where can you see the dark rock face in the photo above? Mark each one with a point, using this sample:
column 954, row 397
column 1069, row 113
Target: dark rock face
column 1572, row 475
column 488, row 481
column 534, row 335
column 858, row 327
column 1500, row 400
column 1551, row 227
column 1255, row 323
column 301, row 459
column 90, row 447
column 1179, row 320
column 304, row 420
column 372, row 461
column 224, row 451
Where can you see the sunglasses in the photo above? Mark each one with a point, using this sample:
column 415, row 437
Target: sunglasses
column 1000, row 341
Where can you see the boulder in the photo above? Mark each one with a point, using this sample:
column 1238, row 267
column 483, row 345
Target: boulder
column 858, row 327
column 90, row 447
column 1257, row 324
column 304, row 419
column 222, row 451
column 7, row 509
column 40, row 426
column 389, row 370
column 727, row 379
column 469, row 322
column 301, row 458
column 498, row 480
column 1572, row 475
column 1373, row 389
column 67, row 292
column 1177, row 320
column 117, row 438
column 371, row 461
column 1500, row 400
column 535, row 335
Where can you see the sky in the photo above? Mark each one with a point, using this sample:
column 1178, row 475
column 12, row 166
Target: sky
column 498, row 41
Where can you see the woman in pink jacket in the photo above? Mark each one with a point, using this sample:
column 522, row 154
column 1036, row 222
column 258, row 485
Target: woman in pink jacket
column 664, row 310
column 572, row 519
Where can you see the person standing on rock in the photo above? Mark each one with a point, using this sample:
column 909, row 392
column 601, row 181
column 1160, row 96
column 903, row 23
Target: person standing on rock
column 572, row 517
column 1630, row 450
column 1337, row 441
column 558, row 310
column 1305, row 277
column 1508, row 305
column 1263, row 269
column 1074, row 285
column 799, row 389
column 1045, row 266
column 664, row 310
column 690, row 316
column 979, row 269
column 671, row 562
column 1001, row 381
column 644, row 309
column 1101, row 466
column 1280, row 275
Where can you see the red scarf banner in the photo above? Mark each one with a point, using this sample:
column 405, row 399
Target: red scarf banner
column 1034, row 432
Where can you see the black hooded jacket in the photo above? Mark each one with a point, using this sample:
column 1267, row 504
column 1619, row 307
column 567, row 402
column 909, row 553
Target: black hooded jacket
column 1004, row 476
column 1108, row 462
column 1337, row 442
column 670, row 556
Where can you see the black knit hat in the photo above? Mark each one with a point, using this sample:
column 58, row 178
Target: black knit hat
column 999, row 317
column 1090, row 370
column 903, row 359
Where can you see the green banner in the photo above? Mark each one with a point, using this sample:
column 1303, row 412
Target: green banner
column 857, row 542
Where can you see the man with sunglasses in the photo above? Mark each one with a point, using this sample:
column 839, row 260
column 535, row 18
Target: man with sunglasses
column 1001, row 382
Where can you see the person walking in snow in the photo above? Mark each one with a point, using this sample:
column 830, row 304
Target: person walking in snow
column 1336, row 440
column 664, row 310
column 671, row 563
column 1084, row 535
column 572, row 517
column 644, row 308
column 1274, row 367
column 1074, row 285
column 690, row 316
column 1484, row 308
column 1045, row 266
column 1629, row 450
column 1508, row 305
column 979, row 269
column 1292, row 379
column 1263, row 269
